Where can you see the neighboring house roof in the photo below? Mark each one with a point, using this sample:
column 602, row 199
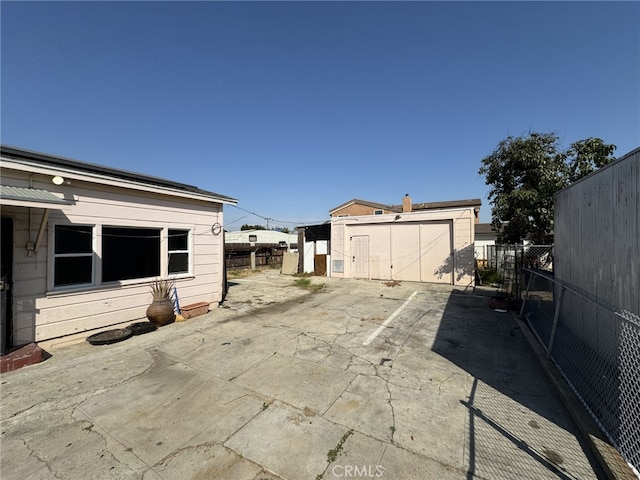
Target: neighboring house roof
column 474, row 202
column 365, row 203
column 102, row 174
column 485, row 228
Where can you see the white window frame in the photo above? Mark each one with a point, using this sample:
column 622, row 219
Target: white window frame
column 54, row 256
column 378, row 212
column 96, row 255
column 188, row 251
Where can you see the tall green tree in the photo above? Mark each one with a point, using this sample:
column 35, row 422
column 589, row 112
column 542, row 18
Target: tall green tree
column 525, row 172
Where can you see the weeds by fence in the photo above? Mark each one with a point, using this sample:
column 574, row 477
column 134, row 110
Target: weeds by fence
column 596, row 347
column 505, row 263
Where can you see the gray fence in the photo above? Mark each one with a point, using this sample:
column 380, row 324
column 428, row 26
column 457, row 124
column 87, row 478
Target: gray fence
column 596, row 347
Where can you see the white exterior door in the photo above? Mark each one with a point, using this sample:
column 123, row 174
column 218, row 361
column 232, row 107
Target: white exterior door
column 360, row 256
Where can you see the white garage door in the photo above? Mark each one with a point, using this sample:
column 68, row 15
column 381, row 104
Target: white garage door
column 436, row 247
column 422, row 252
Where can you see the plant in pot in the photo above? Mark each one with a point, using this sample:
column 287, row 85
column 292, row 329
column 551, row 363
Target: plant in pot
column 161, row 311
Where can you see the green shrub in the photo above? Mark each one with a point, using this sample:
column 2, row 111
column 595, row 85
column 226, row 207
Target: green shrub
column 489, row 276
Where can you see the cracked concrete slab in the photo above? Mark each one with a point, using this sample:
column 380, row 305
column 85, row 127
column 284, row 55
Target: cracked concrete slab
column 365, row 406
column 169, row 408
column 301, row 383
column 69, row 448
column 292, row 442
column 358, row 451
column 277, row 383
column 207, row 461
column 232, row 350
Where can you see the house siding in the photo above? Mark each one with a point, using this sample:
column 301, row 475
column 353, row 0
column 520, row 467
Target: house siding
column 463, row 250
column 42, row 313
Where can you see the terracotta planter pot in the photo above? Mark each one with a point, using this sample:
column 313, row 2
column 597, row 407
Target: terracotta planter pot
column 160, row 312
column 194, row 310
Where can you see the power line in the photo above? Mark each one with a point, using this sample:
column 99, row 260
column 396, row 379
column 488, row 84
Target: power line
column 270, row 219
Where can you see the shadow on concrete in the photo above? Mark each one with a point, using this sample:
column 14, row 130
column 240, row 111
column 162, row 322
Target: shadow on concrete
column 597, row 350
column 514, row 414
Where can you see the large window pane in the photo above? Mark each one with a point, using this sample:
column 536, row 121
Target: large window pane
column 129, row 253
column 73, row 239
column 178, row 263
column 178, row 239
column 73, row 271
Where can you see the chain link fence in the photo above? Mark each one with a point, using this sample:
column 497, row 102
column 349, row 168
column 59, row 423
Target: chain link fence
column 596, row 347
column 507, row 262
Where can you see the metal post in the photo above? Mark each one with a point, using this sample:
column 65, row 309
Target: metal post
column 556, row 317
column 526, row 294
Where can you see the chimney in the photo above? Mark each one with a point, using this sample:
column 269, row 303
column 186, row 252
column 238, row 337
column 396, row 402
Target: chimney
column 406, row 204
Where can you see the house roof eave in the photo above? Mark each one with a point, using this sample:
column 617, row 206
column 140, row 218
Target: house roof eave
column 34, row 161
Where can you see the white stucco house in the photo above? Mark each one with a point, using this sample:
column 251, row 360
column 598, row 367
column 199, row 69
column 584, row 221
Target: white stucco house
column 81, row 242
column 426, row 242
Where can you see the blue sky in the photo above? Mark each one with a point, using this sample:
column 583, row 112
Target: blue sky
column 295, row 108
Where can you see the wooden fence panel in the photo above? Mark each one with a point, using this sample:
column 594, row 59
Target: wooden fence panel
column 238, row 256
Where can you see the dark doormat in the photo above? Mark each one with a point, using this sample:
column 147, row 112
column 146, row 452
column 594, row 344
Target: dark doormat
column 109, row 336
column 139, row 328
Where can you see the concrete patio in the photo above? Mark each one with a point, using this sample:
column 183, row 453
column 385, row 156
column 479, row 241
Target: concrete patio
column 364, row 379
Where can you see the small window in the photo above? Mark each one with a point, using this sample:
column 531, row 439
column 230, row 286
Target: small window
column 378, row 212
column 343, row 215
column 253, row 238
column 73, row 255
column 178, row 251
column 129, row 253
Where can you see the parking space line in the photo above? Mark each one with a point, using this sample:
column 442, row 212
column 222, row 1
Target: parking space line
column 372, row 337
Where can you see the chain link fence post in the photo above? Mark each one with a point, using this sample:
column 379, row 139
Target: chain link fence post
column 556, row 317
column 526, row 295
